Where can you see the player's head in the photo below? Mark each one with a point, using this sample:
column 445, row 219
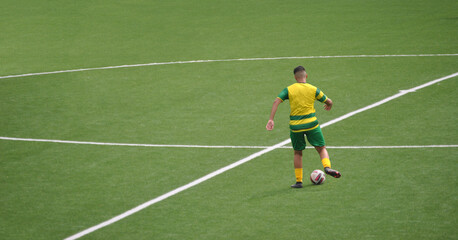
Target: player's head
column 299, row 73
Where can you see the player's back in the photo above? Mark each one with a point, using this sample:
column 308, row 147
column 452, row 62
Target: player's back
column 302, row 97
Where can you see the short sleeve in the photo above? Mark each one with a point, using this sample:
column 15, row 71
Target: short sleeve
column 284, row 94
column 320, row 96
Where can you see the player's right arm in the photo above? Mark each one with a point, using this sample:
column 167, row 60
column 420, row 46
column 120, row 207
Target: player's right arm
column 270, row 123
column 281, row 97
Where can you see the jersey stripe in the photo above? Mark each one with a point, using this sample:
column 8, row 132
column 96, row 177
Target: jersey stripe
column 318, row 91
column 322, row 99
column 300, row 117
column 304, row 126
column 305, row 130
column 303, row 121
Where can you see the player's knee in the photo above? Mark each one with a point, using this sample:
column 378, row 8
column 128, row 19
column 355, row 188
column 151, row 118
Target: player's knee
column 320, row 148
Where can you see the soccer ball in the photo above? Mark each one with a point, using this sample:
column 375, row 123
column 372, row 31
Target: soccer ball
column 317, row 177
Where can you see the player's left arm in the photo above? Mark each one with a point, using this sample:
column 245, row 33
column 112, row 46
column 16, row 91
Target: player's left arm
column 328, row 104
column 320, row 96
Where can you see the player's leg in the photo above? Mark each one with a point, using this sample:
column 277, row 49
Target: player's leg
column 298, row 142
column 324, row 156
column 298, row 165
column 316, row 138
column 326, row 162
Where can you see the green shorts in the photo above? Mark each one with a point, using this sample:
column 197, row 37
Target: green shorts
column 315, row 138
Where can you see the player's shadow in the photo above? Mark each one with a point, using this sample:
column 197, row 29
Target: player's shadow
column 283, row 191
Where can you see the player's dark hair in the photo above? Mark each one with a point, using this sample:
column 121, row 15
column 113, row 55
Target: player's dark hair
column 298, row 69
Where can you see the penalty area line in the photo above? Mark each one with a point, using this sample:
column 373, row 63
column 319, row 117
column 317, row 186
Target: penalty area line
column 242, row 161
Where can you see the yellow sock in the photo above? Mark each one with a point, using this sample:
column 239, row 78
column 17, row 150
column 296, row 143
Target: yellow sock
column 298, row 172
column 326, row 162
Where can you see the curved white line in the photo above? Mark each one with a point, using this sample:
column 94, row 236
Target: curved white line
column 225, row 60
column 211, row 146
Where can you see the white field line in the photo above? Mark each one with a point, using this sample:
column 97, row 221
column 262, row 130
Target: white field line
column 225, row 60
column 239, row 162
column 401, row 93
column 213, row 146
column 391, row 147
column 122, row 144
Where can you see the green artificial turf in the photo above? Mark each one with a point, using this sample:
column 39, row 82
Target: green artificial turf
column 55, row 190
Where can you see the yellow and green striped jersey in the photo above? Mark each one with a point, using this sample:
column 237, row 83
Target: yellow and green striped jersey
column 301, row 98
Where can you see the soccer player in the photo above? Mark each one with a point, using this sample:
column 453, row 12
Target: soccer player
column 303, row 122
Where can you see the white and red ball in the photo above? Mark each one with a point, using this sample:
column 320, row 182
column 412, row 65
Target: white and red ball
column 317, row 177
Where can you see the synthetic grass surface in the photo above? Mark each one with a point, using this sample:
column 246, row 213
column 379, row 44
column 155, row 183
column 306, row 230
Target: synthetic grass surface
column 52, row 191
